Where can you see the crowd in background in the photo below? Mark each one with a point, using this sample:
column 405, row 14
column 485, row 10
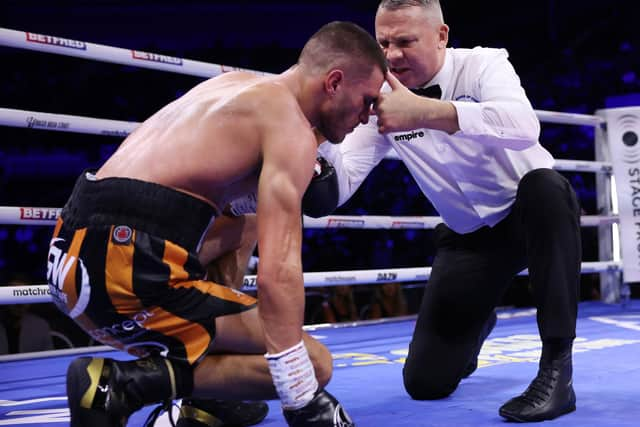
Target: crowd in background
column 38, row 168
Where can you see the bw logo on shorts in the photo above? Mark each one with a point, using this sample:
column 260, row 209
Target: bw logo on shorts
column 122, row 235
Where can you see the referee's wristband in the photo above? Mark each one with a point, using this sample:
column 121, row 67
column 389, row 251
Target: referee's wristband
column 293, row 376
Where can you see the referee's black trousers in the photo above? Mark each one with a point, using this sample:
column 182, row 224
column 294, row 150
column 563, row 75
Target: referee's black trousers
column 472, row 271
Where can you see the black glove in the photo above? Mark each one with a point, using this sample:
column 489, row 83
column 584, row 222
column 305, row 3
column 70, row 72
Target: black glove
column 323, row 411
column 322, row 195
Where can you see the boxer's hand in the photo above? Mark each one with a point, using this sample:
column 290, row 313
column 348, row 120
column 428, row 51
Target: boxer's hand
column 323, row 194
column 400, row 109
column 324, row 410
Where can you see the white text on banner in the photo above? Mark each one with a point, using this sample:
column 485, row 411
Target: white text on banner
column 623, row 130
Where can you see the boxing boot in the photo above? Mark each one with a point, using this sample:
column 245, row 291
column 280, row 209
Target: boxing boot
column 322, row 411
column 104, row 392
column 550, row 394
column 220, row 413
column 486, row 330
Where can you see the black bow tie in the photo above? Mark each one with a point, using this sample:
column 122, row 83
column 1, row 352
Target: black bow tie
column 428, row 92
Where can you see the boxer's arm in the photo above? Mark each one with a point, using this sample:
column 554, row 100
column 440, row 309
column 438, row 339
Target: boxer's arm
column 227, row 247
column 288, row 159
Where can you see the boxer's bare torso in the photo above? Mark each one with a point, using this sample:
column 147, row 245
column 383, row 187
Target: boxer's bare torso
column 210, row 142
column 239, row 132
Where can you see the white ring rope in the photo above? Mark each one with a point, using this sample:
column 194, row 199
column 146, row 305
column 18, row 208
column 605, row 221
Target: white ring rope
column 69, row 123
column 375, row 222
column 30, row 215
column 570, row 118
column 40, row 293
column 65, row 123
column 81, row 124
column 98, row 52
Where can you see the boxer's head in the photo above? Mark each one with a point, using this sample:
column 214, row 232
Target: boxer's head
column 349, row 68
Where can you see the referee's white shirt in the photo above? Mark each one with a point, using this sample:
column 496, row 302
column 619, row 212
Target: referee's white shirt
column 470, row 177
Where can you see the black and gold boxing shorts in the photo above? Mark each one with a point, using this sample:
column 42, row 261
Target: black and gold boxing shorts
column 123, row 264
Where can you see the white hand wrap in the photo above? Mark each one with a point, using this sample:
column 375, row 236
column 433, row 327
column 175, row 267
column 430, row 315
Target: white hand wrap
column 293, row 376
column 244, row 205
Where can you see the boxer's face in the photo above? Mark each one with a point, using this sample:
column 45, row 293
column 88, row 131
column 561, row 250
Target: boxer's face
column 413, row 42
column 350, row 105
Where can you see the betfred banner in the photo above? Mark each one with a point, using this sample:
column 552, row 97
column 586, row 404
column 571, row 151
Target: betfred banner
column 623, row 132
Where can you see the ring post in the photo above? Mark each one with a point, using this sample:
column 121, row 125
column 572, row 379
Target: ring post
column 619, row 143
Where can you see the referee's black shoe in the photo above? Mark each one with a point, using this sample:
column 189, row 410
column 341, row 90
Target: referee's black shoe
column 550, row 394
